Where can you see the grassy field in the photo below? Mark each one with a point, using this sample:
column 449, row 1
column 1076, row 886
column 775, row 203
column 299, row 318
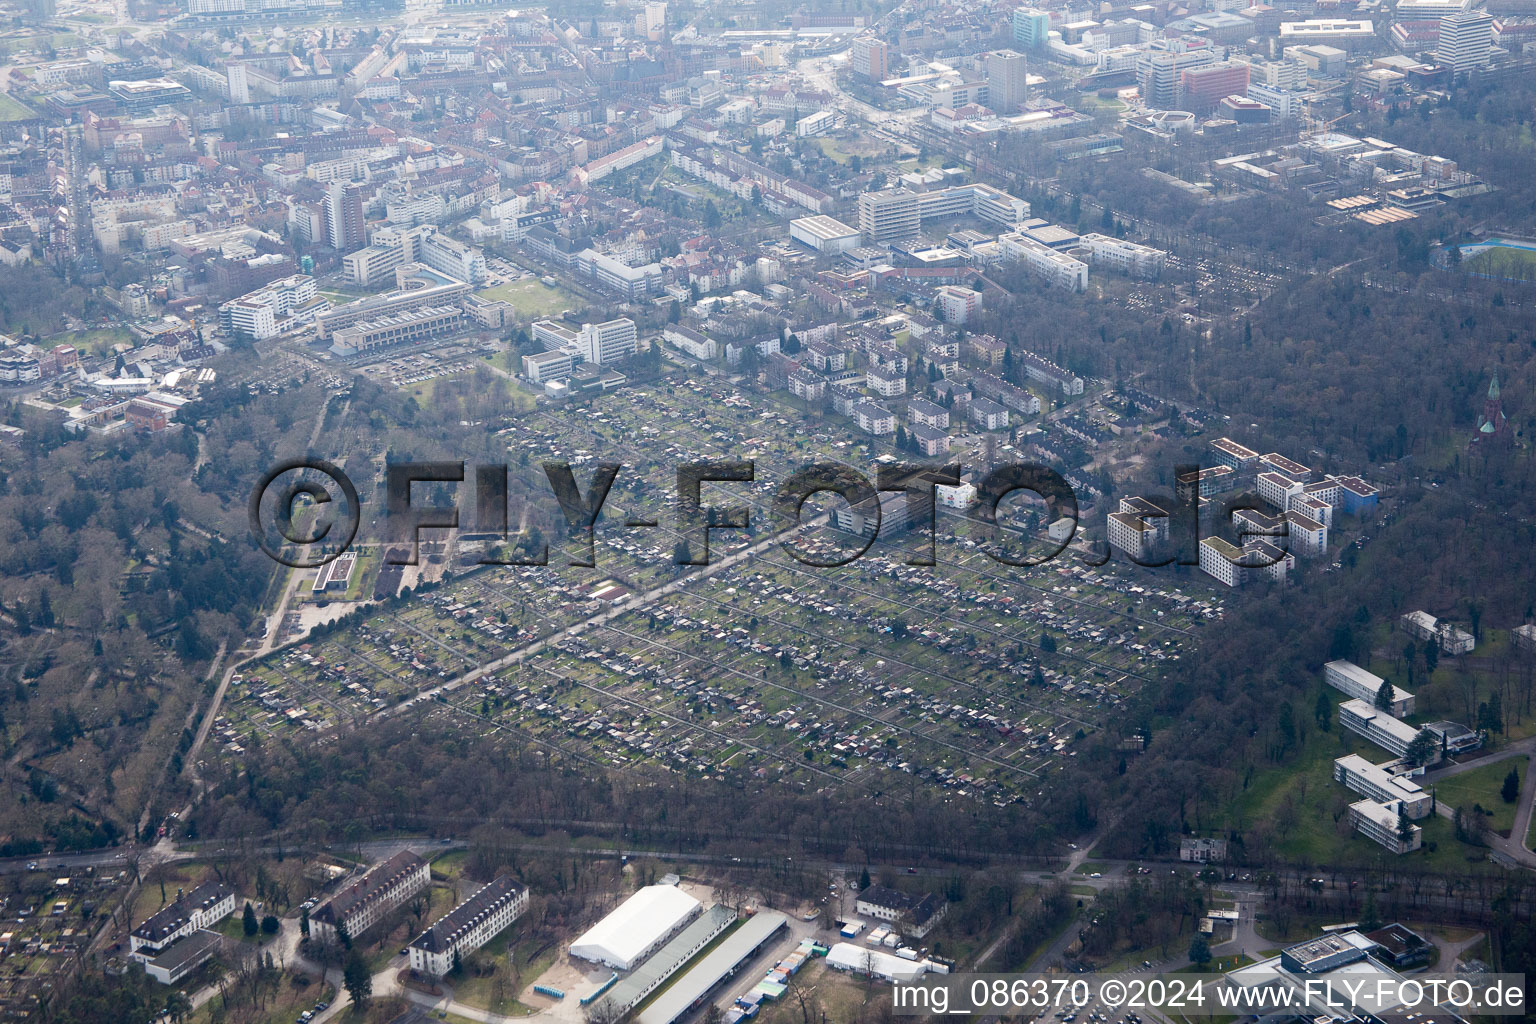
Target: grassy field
column 19, row 44
column 12, row 109
column 1503, row 261
column 96, row 341
column 450, row 865
column 1311, row 817
column 504, row 952
column 531, row 298
column 1480, row 787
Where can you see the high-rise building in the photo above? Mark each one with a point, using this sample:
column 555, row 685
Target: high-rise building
column 889, row 215
column 1007, row 81
column 871, row 58
column 1160, row 73
column 1202, row 88
column 1466, row 40
column 1031, row 28
column 607, row 342
column 344, row 226
column 651, row 22
column 239, row 83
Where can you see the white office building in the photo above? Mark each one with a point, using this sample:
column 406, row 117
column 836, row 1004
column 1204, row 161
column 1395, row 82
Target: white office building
column 1126, row 257
column 1358, row 684
column 543, row 367
column 264, row 312
column 1390, row 734
column 607, row 342
column 1466, row 40
column 1057, row 267
column 1136, row 526
column 1376, row 783
column 1380, row 822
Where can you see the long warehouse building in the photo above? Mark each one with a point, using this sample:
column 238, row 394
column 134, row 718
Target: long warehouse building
column 721, row 963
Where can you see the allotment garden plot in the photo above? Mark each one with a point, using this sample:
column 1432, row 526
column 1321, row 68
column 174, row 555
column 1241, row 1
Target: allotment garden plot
column 969, row 675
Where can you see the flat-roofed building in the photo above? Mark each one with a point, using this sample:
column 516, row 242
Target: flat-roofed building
column 1228, row 452
column 1324, row 954
column 1308, row 536
column 1376, row 783
column 1418, row 624
column 1205, row 483
column 487, row 912
column 1359, row 684
column 1466, row 40
column 1382, row 823
column 1290, row 467
column 369, row 336
column 1454, row 640
column 1058, row 268
column 1390, row 734
column 1127, row 257
column 1031, row 27
column 1136, row 526
column 1524, row 637
column 1221, row 560
column 1454, row 737
column 608, row 342
column 553, row 334
column 417, row 288
column 889, row 215
column 824, row 234
column 1345, row 32
column 1277, row 488
column 543, row 367
column 631, row 283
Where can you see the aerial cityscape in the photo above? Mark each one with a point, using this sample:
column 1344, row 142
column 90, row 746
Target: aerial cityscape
column 683, row 512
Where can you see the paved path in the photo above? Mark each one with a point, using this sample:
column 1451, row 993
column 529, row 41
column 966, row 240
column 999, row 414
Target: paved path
column 1513, row 850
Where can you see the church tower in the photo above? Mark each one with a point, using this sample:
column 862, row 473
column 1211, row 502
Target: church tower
column 1492, row 426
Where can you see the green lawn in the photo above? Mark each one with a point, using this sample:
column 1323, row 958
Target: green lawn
column 1480, row 786
column 12, row 109
column 1307, row 812
column 1503, row 261
column 503, row 951
column 532, row 298
column 450, row 865
column 96, row 341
